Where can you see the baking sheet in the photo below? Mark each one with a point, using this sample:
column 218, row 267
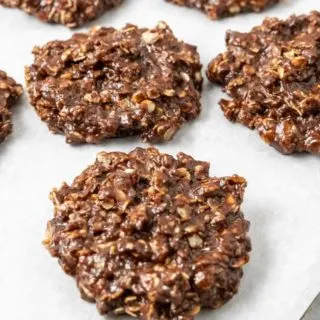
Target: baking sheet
column 282, row 200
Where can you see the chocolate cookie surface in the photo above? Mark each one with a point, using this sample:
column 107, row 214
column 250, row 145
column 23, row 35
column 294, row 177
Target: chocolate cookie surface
column 151, row 236
column 72, row 13
column 9, row 93
column 114, row 83
column 217, row 9
column 272, row 75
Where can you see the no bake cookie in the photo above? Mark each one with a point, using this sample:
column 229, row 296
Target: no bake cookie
column 72, row 13
column 9, row 93
column 217, row 9
column 272, row 76
column 115, row 83
column 151, row 236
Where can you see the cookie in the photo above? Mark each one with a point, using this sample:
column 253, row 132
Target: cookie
column 72, row 13
column 272, row 76
column 150, row 235
column 9, row 93
column 218, row 9
column 116, row 83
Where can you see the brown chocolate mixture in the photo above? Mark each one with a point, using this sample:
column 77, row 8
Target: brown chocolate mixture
column 217, row 9
column 113, row 83
column 151, row 236
column 9, row 93
column 72, row 13
column 272, row 74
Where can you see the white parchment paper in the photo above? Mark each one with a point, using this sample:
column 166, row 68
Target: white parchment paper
column 282, row 200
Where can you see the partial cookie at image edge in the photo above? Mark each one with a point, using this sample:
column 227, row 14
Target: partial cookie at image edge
column 221, row 8
column 10, row 91
column 272, row 75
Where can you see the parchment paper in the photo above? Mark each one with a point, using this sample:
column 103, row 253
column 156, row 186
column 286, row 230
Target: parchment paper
column 282, row 200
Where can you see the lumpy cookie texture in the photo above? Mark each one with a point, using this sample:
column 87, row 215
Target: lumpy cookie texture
column 72, row 13
column 272, row 76
column 9, row 93
column 217, row 9
column 113, row 83
column 151, row 236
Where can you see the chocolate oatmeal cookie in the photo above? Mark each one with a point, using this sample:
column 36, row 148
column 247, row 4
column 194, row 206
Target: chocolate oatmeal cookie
column 9, row 93
column 72, row 13
column 151, row 236
column 217, row 9
column 114, row 83
column 272, row 76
